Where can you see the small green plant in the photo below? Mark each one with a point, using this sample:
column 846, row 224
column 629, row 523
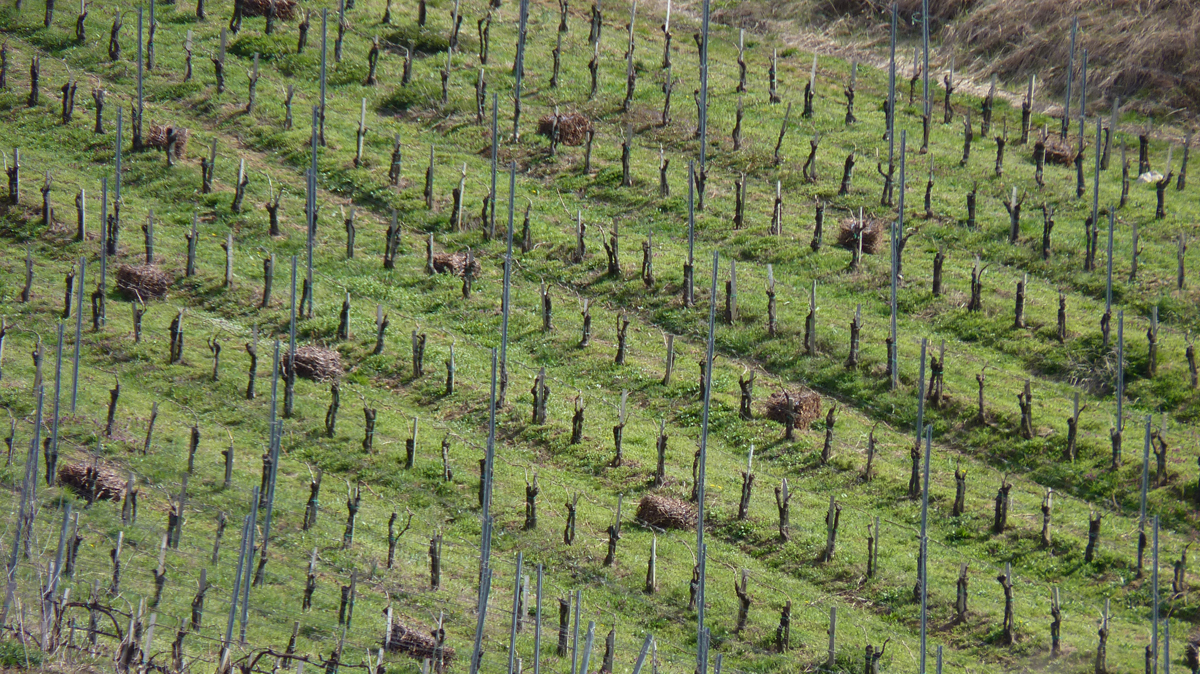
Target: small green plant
column 15, row 655
column 402, row 99
column 347, row 72
column 266, row 46
column 420, row 40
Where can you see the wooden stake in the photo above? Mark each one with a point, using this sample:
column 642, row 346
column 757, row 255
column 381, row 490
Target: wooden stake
column 810, row 323
column 410, row 447
column 782, row 497
column 873, row 534
column 1066, row 120
column 1047, row 503
column 832, row 519
column 1003, row 500
column 622, row 327
column 747, row 486
column 1094, row 520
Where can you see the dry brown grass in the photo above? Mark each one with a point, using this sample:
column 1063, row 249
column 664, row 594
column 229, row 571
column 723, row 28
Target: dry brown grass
column 1148, row 47
column 757, row 15
column 1145, row 51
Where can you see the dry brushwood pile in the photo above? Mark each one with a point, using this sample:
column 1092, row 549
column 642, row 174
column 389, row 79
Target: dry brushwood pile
column 803, row 405
column 157, row 139
column 666, row 512
column 83, row 477
column 143, row 281
column 455, row 264
column 280, row 9
column 572, row 128
column 344, row 151
column 1061, row 151
column 317, row 363
column 870, row 230
column 417, row 644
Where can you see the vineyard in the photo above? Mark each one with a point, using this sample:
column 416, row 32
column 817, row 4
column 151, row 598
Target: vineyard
column 482, row 336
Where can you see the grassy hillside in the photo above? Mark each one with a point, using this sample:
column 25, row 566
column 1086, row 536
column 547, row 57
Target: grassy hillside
column 1138, row 52
column 558, row 191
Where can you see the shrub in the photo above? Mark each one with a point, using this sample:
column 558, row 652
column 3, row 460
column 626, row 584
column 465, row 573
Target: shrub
column 421, row 40
column 346, row 72
column 415, row 95
column 306, row 65
column 13, row 655
column 266, row 46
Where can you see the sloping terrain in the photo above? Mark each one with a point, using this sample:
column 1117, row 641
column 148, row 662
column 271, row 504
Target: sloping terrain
column 195, row 397
column 1145, row 53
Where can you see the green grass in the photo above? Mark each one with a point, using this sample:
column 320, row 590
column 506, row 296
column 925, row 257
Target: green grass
column 870, row 609
column 15, row 656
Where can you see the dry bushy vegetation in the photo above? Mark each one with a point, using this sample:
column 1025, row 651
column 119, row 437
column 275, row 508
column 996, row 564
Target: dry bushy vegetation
column 316, row 362
column 803, row 406
column 756, row 14
column 871, row 232
column 281, row 9
column 666, row 512
column 455, row 263
column 157, row 139
column 940, row 11
column 572, row 127
column 1143, row 49
column 1134, row 48
column 143, row 281
column 87, row 477
column 417, row 644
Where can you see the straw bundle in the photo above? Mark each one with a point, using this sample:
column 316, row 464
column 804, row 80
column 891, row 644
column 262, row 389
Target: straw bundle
column 872, row 234
column 316, row 362
column 455, row 263
column 143, row 281
column 417, row 644
column 1061, row 152
column 157, row 139
column 666, row 512
column 109, row 485
column 572, row 129
column 804, row 406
